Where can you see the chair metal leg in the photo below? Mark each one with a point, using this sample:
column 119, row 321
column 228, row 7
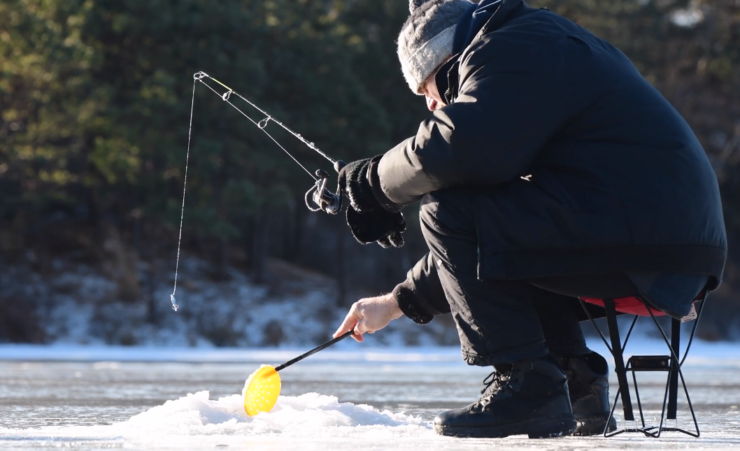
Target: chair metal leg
column 593, row 323
column 699, row 309
column 611, row 318
column 675, row 369
column 637, row 395
column 671, row 364
column 673, row 383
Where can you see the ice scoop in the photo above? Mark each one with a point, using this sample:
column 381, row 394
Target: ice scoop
column 262, row 388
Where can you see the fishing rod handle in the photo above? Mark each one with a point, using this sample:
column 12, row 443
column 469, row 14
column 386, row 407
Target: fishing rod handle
column 314, row 350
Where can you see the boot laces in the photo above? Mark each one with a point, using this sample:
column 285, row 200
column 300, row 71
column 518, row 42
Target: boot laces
column 495, row 383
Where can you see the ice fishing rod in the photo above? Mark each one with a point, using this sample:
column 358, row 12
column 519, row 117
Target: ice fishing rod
column 317, row 198
column 323, row 199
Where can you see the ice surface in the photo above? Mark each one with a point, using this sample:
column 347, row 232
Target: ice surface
column 346, row 351
column 344, row 399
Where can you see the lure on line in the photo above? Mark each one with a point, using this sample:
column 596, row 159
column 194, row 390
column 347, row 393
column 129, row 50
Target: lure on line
column 317, row 198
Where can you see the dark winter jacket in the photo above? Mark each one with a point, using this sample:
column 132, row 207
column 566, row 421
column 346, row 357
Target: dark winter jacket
column 617, row 181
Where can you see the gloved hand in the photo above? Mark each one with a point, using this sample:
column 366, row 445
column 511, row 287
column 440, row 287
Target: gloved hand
column 366, row 217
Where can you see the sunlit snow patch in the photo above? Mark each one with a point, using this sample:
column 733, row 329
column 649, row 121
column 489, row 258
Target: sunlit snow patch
column 196, row 421
column 309, row 415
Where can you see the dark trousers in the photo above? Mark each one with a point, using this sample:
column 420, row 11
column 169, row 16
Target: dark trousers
column 504, row 321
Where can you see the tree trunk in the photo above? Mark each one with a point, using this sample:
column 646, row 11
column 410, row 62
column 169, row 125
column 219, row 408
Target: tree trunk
column 248, row 241
column 260, row 242
column 341, row 263
column 151, row 306
column 222, row 259
column 286, row 218
column 299, row 228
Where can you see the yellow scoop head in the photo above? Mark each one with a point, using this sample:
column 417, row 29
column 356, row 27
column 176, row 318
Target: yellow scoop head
column 261, row 391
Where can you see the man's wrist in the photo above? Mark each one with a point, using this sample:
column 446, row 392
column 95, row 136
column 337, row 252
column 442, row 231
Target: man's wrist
column 396, row 311
column 374, row 180
column 406, row 303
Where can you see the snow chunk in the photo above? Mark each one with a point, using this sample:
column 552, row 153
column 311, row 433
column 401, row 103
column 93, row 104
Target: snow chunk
column 308, row 415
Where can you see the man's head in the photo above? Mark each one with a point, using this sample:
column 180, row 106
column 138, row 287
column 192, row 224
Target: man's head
column 425, row 43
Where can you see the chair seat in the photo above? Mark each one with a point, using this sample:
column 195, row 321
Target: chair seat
column 633, row 305
column 630, row 304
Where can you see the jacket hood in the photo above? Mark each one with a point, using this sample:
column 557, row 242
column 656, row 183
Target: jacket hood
column 491, row 12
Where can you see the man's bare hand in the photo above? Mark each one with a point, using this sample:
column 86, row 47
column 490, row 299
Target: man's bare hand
column 370, row 315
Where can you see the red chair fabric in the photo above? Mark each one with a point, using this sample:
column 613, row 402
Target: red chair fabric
column 630, row 304
column 633, row 305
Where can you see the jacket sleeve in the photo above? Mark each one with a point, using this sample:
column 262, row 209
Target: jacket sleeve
column 420, row 296
column 513, row 97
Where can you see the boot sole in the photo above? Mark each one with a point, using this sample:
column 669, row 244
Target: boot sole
column 548, row 426
column 594, row 425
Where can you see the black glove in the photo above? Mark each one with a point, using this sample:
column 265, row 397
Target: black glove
column 366, row 217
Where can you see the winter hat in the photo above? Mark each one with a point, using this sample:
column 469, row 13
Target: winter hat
column 426, row 37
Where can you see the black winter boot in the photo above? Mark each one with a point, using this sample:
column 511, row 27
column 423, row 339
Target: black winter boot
column 588, row 384
column 530, row 397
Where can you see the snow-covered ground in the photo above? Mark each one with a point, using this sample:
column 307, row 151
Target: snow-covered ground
column 76, row 303
column 347, row 397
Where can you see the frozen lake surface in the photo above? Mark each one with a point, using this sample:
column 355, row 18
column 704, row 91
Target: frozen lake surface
column 101, row 398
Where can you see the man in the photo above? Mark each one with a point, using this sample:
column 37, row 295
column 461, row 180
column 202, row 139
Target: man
column 548, row 170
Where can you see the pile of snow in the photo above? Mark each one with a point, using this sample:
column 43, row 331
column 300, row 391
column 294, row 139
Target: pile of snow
column 307, row 415
column 196, row 421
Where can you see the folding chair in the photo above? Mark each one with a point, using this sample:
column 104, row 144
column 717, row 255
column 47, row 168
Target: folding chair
column 637, row 306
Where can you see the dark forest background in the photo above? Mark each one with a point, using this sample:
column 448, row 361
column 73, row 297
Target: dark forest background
column 95, row 101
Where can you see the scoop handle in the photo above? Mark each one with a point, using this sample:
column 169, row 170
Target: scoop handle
column 313, row 351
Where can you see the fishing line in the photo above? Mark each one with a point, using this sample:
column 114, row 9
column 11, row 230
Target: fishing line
column 182, row 210
column 323, row 199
